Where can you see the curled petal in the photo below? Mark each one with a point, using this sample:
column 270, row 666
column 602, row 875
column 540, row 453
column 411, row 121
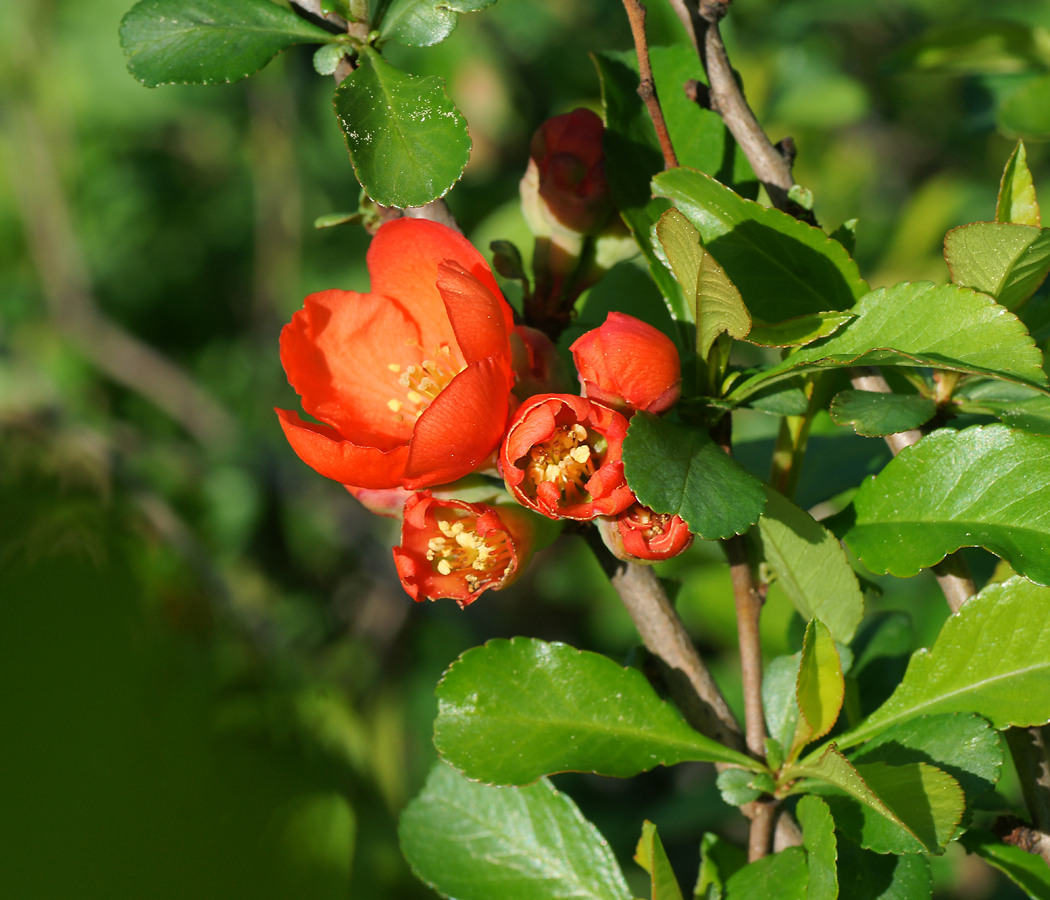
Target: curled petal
column 481, row 319
column 646, row 536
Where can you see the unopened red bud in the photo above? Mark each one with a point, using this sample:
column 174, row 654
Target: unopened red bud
column 647, row 536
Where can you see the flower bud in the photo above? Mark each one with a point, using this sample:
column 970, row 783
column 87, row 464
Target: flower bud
column 640, row 535
column 628, row 365
column 538, row 366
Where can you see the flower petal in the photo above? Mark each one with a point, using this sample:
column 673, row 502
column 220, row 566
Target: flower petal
column 481, row 319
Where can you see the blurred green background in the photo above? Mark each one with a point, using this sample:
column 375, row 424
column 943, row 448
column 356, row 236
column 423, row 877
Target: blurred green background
column 212, row 683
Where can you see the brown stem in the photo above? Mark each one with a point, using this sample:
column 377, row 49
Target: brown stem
column 760, row 836
column 647, row 87
column 748, row 612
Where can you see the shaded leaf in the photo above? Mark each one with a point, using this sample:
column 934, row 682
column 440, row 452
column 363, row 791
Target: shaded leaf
column 1027, row 870
column 975, row 46
column 1017, row 201
column 1014, row 404
column 797, row 332
column 864, row 875
column 209, row 41
column 407, row 141
column 820, row 687
column 1026, row 112
column 719, row 860
column 782, row 876
column 818, row 837
column 779, row 680
column 477, row 842
column 652, row 857
column 986, row 486
column 785, row 398
column 1005, row 261
column 421, row 23
column 881, row 651
column 512, row 711
column 738, row 786
column 874, row 414
column 846, row 234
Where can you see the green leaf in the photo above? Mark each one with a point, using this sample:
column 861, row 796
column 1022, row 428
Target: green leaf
column 818, row 837
column 1017, row 201
column 779, row 680
column 679, row 470
column 976, row 46
column 782, row 267
column 337, row 218
column 1026, row 112
column 407, row 142
column 1007, row 262
column 652, row 857
column 209, row 41
column 422, row 23
column 962, row 331
column 708, row 292
column 986, row 486
column 738, row 786
column 820, row 687
column 1014, row 404
column 1026, row 870
column 719, row 860
column 785, row 398
column 477, row 842
column 873, row 414
column 810, row 565
column 797, row 332
column 881, row 651
column 782, row 876
column 864, row 875
column 512, row 711
column 846, row 234
column 991, row 658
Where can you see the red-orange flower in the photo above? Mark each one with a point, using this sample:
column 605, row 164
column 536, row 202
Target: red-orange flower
column 651, row 536
column 412, row 381
column 562, row 458
column 628, row 365
column 455, row 549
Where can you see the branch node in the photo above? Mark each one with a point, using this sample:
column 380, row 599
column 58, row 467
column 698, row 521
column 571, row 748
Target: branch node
column 699, row 93
column 786, row 147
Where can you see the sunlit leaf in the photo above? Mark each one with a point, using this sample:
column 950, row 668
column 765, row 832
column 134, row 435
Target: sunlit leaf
column 421, row 23
column 818, row 837
column 1007, row 262
column 820, row 688
column 1017, row 201
column 781, row 876
column 652, row 857
column 797, row 332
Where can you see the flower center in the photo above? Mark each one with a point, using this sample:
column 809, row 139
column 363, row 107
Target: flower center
column 422, row 383
column 649, row 523
column 461, row 550
column 567, row 460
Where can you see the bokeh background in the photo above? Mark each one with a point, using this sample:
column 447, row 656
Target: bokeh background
column 211, row 682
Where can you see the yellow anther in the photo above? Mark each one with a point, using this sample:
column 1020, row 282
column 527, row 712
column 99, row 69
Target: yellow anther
column 393, row 367
column 413, row 397
column 394, row 405
column 581, row 454
column 443, row 567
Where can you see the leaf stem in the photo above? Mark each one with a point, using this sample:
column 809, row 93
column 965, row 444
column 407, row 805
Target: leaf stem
column 647, row 87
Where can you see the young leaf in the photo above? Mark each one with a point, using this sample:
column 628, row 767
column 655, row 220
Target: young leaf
column 652, row 857
column 476, row 842
column 782, row 876
column 1017, row 201
column 1026, row 870
column 991, row 658
column 811, row 566
column 714, row 301
column 778, row 698
column 818, row 837
column 961, row 330
column 782, row 267
column 407, row 142
column 1014, row 404
column 209, row 41
column 820, row 687
column 512, row 711
column 738, row 786
column 797, row 332
column 719, row 860
column 1006, row 262
column 422, row 23
column 864, row 875
column 873, row 414
column 679, row 470
column 986, row 486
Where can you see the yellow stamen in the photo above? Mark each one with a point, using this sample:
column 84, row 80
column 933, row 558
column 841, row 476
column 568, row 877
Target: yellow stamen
column 567, row 460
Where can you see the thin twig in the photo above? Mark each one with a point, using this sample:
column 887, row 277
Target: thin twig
column 748, row 613
column 760, row 836
column 647, row 87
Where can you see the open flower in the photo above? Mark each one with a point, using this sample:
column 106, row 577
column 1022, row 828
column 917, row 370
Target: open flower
column 412, row 380
column 455, row 549
column 628, row 365
column 561, row 457
column 639, row 534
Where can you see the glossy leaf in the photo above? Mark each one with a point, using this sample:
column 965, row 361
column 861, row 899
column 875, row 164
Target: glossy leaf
column 1027, row 870
column 421, row 23
column 477, row 842
column 818, row 837
column 1014, row 404
column 1026, row 112
column 407, row 141
column 874, row 414
column 820, row 688
column 986, row 486
column 782, row 267
column 779, row 680
column 679, row 470
column 512, row 711
column 719, row 860
column 797, row 332
column 1017, row 201
column 652, row 857
column 991, row 658
column 1007, row 262
column 209, row 41
column 782, row 876
column 715, row 303
column 864, row 875
column 963, row 331
column 810, row 566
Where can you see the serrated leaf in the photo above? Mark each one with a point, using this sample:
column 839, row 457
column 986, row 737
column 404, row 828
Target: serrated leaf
column 779, row 680
column 652, row 857
column 874, row 414
column 820, row 688
column 797, row 332
column 963, row 331
column 512, row 711
column 209, row 41
column 1017, row 201
column 679, row 470
column 1005, row 261
column 1014, row 404
column 719, row 860
column 477, row 842
column 810, row 566
column 1027, row 870
column 991, row 658
column 864, row 875
column 1026, row 112
column 713, row 300
column 782, row 876
column 986, row 486
column 422, row 23
column 818, row 837
column 408, row 143
column 782, row 267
